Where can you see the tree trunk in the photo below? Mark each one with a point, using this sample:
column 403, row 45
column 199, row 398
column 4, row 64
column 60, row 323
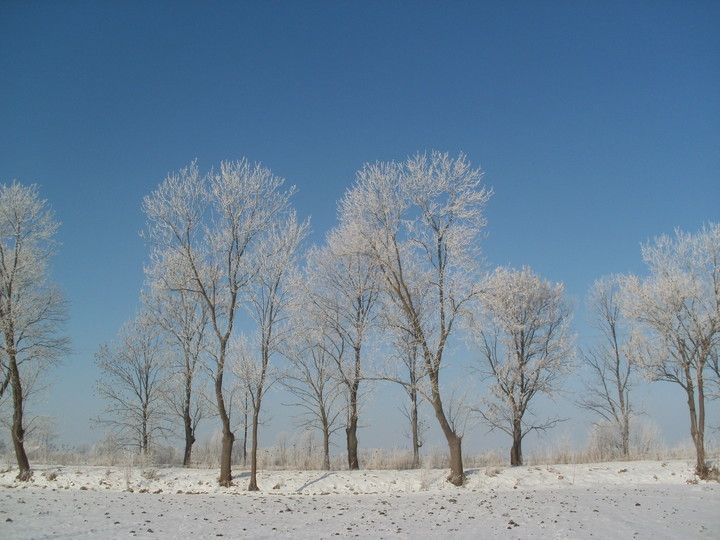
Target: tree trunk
column 187, row 455
column 189, row 441
column 326, row 448
column 326, row 438
column 623, row 394
column 415, row 429
column 245, row 430
column 257, row 403
column 144, row 437
column 626, row 435
column 697, row 427
column 516, row 457
column 187, row 422
column 253, row 486
column 457, row 474
column 351, row 429
column 227, row 440
column 701, row 466
column 352, row 444
column 226, row 458
column 17, row 431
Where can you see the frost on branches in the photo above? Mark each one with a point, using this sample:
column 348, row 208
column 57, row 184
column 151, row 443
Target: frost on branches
column 32, row 310
column 420, row 223
column 674, row 315
column 202, row 231
column 525, row 349
column 611, row 373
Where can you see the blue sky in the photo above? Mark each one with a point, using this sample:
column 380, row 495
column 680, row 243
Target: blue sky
column 596, row 123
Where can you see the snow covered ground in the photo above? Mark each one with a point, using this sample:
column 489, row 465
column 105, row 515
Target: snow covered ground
column 646, row 499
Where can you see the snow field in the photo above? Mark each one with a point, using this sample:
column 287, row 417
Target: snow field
column 621, row 500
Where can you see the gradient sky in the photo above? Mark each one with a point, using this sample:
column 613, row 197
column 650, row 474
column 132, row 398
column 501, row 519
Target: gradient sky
column 596, row 123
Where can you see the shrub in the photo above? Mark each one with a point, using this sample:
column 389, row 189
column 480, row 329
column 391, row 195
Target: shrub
column 149, row 474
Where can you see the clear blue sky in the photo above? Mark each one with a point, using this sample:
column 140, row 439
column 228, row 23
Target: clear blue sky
column 596, row 123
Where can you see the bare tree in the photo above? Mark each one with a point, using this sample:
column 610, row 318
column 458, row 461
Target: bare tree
column 607, row 393
column 40, row 435
column 212, row 224
column 343, row 295
column 526, row 349
column 419, row 223
column 674, row 315
column 409, row 355
column 183, row 320
column 313, row 379
column 268, row 299
column 245, row 408
column 32, row 310
column 132, row 379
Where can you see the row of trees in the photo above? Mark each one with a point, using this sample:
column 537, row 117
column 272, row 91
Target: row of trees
column 234, row 303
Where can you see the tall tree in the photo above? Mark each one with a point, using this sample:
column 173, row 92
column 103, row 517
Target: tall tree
column 525, row 350
column 607, row 391
column 32, row 310
column 406, row 367
column 268, row 299
column 419, row 223
column 408, row 352
column 132, row 379
column 674, row 315
column 343, row 295
column 311, row 376
column 210, row 225
column 182, row 319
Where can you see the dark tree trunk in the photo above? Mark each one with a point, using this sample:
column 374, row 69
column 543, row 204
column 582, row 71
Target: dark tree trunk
column 326, row 438
column 326, row 448
column 626, row 435
column 17, row 431
column 189, row 441
column 415, row 429
column 228, row 437
column 352, row 443
column 516, row 457
column 226, row 458
column 697, row 424
column 187, row 456
column 351, row 429
column 188, row 423
column 253, row 486
column 144, row 435
column 245, row 431
column 457, row 474
column 257, row 403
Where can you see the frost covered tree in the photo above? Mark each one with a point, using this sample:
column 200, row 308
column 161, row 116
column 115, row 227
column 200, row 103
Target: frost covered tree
column 312, row 378
column 268, row 298
column 132, row 381
column 409, row 355
column 674, row 315
column 525, row 349
column 41, row 434
column 607, row 391
column 343, row 285
column 182, row 319
column 32, row 309
column 420, row 223
column 210, row 225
